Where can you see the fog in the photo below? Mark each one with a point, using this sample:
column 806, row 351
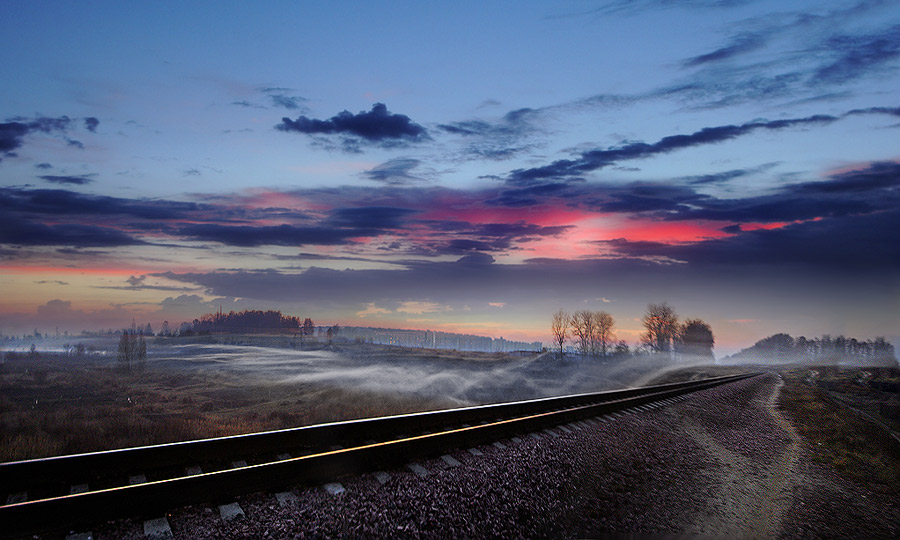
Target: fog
column 460, row 379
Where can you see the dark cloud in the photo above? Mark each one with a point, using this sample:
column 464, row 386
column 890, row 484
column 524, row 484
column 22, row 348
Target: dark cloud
column 853, row 56
column 275, row 235
column 377, row 126
column 287, row 102
column 73, row 180
column 739, row 44
column 370, row 217
column 44, row 166
column 654, row 198
column 91, row 123
column 873, row 189
column 529, row 196
column 497, row 140
column 396, row 172
column 57, row 202
column 848, row 242
column 475, row 259
column 726, row 176
column 25, row 233
column 592, row 160
column 13, row 133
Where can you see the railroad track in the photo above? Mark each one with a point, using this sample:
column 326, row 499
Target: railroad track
column 72, row 491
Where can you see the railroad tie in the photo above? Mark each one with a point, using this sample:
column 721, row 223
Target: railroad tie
column 75, row 489
column 418, row 469
column 475, row 452
column 286, row 498
column 450, row 460
column 334, row 488
column 157, row 529
column 382, row 477
column 498, row 444
column 231, row 511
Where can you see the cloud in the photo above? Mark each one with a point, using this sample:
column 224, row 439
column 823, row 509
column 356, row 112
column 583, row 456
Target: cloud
column 377, row 126
column 75, row 180
column 726, row 176
column 273, row 235
column 396, row 172
column 43, row 166
column 597, row 159
column 58, row 202
column 592, row 160
column 871, row 189
column 867, row 242
column 24, row 233
column 853, row 56
column 136, row 281
column 288, row 102
column 496, row 140
column 370, row 217
column 497, row 304
column 91, row 123
column 13, row 132
column 742, row 43
column 475, row 259
column 419, row 308
column 372, row 309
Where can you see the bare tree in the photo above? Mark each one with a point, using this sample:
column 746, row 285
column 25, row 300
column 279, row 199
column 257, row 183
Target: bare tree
column 602, row 337
column 559, row 327
column 661, row 323
column 582, row 325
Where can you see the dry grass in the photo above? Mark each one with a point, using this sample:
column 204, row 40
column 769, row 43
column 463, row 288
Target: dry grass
column 853, row 445
column 56, row 405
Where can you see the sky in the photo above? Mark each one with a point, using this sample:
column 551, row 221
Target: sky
column 466, row 167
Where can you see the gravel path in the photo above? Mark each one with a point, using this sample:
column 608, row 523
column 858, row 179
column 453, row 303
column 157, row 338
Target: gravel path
column 721, row 463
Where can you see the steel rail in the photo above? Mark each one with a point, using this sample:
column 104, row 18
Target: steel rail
column 311, row 438
column 399, row 447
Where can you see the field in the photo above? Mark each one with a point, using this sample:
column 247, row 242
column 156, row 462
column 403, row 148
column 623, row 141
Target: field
column 836, row 410
column 54, row 403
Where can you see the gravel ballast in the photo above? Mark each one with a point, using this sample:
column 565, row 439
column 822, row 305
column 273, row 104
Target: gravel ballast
column 721, row 463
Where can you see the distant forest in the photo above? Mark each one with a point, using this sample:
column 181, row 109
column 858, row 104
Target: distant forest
column 245, row 321
column 825, row 349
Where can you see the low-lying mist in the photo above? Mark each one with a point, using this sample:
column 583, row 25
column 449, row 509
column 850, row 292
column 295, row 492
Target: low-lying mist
column 462, row 378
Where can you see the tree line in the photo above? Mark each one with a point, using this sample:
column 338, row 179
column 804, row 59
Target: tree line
column 784, row 347
column 247, row 320
column 591, row 332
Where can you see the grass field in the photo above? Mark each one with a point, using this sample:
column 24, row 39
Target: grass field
column 858, row 446
column 55, row 405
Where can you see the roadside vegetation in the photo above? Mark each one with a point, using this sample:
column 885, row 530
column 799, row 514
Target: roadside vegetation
column 835, row 410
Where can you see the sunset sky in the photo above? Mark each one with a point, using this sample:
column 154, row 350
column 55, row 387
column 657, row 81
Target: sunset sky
column 462, row 166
